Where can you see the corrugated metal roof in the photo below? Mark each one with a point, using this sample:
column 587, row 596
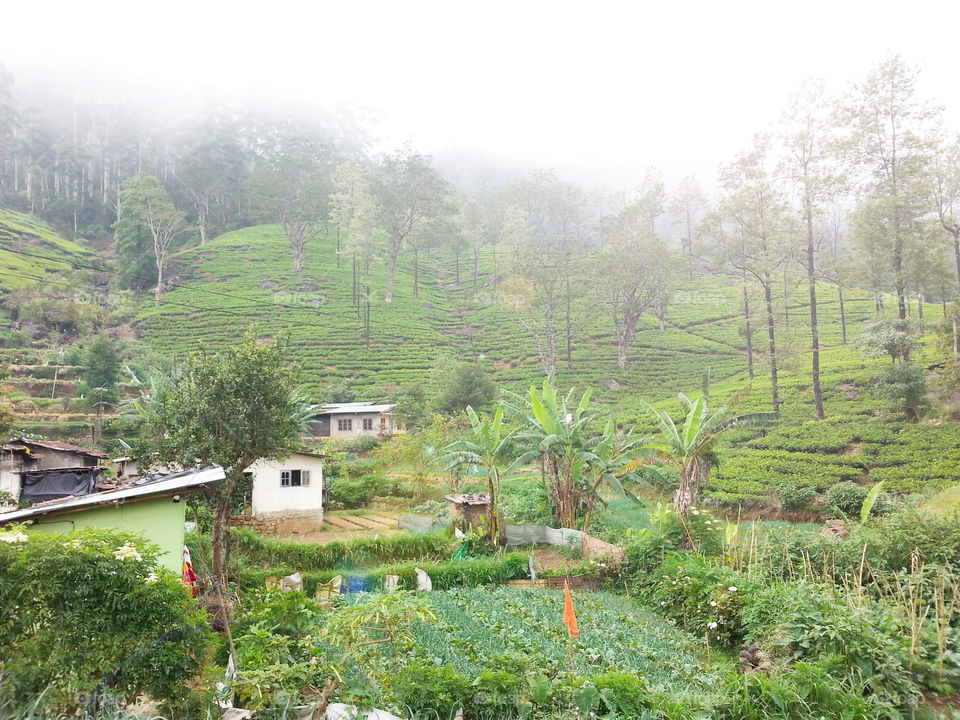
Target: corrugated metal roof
column 139, row 489
column 56, row 445
column 342, row 408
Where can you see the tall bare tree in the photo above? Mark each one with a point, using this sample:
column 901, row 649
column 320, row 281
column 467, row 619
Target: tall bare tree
column 633, row 276
column 145, row 207
column 805, row 137
column 946, row 192
column 755, row 205
column 686, row 206
column 411, row 195
column 291, row 187
column 887, row 140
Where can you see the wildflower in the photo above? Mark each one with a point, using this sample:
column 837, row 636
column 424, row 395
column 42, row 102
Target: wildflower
column 713, row 603
column 76, row 544
column 127, row 552
column 695, row 511
column 13, row 537
column 313, row 661
column 712, row 625
column 663, row 602
column 732, row 588
column 151, row 578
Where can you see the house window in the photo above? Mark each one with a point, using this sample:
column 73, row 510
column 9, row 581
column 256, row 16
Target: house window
column 345, row 424
column 368, row 423
column 294, row 478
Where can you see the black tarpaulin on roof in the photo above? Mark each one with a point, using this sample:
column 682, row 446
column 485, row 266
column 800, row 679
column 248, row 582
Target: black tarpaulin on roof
column 46, row 485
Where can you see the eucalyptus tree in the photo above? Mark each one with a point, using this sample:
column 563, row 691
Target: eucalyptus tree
column 946, row 192
column 209, row 174
column 691, row 447
column 887, row 141
column 754, row 205
column 488, row 448
column 686, row 205
column 634, row 271
column 411, row 195
column 148, row 220
column 291, row 187
column 545, row 228
column 355, row 212
column 805, row 137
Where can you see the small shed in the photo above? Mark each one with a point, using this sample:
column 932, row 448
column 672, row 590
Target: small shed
column 468, row 510
column 152, row 506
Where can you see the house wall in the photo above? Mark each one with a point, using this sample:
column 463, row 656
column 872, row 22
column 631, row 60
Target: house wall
column 51, row 459
column 357, row 429
column 270, row 497
column 10, row 467
column 159, row 520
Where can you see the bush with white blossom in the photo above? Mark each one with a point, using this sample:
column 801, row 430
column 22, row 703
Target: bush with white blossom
column 89, row 611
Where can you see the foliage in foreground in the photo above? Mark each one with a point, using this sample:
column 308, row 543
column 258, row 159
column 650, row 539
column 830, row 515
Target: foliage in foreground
column 90, row 611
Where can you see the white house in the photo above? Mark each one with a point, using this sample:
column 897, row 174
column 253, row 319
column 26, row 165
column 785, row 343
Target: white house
column 347, row 421
column 289, row 489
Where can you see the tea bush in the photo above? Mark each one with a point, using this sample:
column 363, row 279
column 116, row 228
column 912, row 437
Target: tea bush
column 847, row 497
column 91, row 610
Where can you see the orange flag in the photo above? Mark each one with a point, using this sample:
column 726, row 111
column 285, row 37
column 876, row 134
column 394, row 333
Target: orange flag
column 569, row 616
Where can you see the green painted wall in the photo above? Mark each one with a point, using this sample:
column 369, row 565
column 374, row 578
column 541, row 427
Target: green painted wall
column 159, row 520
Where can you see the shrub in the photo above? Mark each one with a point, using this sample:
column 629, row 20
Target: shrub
column 904, row 387
column 847, row 497
column 796, row 499
column 809, row 690
column 351, row 493
column 91, row 609
column 701, row 597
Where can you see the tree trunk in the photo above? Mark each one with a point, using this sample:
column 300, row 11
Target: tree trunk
column 771, row 345
column 416, row 272
column 219, row 560
column 569, row 332
column 920, row 306
column 202, row 223
column 843, row 317
column 814, row 329
column 956, row 254
column 749, row 329
column 388, row 297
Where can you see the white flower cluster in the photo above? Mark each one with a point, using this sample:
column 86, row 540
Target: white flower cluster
column 127, row 552
column 13, row 537
column 151, row 578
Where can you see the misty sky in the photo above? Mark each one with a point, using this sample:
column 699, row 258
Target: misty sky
column 597, row 90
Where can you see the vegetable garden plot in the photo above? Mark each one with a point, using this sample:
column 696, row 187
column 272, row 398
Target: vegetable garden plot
column 476, row 627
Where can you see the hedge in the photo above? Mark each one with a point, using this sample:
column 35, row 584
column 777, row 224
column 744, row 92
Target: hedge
column 256, row 550
column 444, row 575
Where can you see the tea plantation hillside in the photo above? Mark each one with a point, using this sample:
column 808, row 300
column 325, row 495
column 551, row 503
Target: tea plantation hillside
column 246, row 277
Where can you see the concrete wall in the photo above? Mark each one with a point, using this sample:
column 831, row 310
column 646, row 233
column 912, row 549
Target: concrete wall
column 159, row 520
column 10, row 467
column 52, row 459
column 356, row 429
column 269, row 496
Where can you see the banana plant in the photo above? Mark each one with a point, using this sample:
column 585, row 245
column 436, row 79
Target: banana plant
column 691, row 447
column 575, row 457
column 488, row 449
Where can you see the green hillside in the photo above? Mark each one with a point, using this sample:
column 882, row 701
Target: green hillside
column 29, row 249
column 246, row 277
